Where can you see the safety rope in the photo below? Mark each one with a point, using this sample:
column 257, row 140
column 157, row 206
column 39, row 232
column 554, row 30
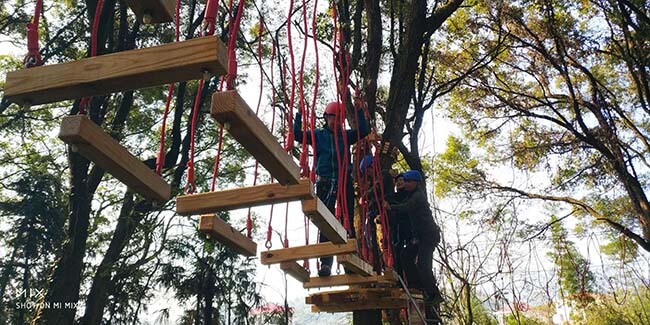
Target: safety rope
column 160, row 159
column 33, row 56
column 85, row 102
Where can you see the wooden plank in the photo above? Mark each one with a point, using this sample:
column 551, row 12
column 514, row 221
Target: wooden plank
column 305, row 252
column 117, row 72
column 229, row 109
column 97, row 146
column 389, row 303
column 153, row 11
column 295, row 270
column 242, row 198
column 358, row 299
column 355, row 264
column 321, row 216
column 216, row 227
column 346, row 279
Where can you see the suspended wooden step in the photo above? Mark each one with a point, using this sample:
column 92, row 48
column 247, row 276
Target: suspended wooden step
column 321, row 216
column 242, row 197
column 359, row 299
column 229, row 109
column 295, row 270
column 348, row 279
column 153, row 11
column 306, row 252
column 92, row 142
column 117, row 72
column 220, row 230
column 355, row 264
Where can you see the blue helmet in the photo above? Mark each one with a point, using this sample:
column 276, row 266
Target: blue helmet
column 412, row 175
column 366, row 162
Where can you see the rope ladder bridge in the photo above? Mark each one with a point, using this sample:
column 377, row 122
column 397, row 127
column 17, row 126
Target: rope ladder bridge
column 191, row 60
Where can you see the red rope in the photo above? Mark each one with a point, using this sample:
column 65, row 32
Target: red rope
column 232, row 56
column 217, row 159
column 191, row 185
column 83, row 104
column 33, row 56
column 160, row 160
column 312, row 122
column 289, row 142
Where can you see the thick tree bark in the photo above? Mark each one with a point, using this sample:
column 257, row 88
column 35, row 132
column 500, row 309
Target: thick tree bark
column 98, row 296
column 66, row 278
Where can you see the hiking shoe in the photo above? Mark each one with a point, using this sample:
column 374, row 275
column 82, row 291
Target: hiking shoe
column 325, row 270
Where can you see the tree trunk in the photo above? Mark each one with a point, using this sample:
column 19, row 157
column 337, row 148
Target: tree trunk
column 402, row 82
column 98, row 296
column 66, row 277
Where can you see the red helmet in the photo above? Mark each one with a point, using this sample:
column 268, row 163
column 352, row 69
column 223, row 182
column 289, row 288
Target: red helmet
column 333, row 108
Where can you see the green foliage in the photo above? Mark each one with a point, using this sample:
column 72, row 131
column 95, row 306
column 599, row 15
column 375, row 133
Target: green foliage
column 576, row 280
column 454, row 166
column 622, row 309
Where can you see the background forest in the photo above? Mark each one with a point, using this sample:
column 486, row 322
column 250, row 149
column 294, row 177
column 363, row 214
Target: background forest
column 531, row 120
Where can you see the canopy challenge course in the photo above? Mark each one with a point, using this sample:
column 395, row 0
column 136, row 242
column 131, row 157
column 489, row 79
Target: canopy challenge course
column 372, row 286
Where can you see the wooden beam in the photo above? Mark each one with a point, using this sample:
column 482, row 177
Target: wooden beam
column 389, row 303
column 305, row 252
column 153, row 11
column 355, row 263
column 358, row 299
column 242, row 198
column 117, row 72
column 229, row 109
column 216, row 227
column 97, row 146
column 346, row 279
column 321, row 216
column 295, row 270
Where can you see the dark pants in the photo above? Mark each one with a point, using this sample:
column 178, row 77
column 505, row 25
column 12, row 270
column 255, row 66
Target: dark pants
column 326, row 190
column 417, row 261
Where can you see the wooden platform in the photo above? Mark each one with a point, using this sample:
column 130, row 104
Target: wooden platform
column 358, row 299
column 158, row 11
column 348, row 279
column 306, row 252
column 295, row 270
column 99, row 147
column 321, row 216
column 220, row 230
column 228, row 108
column 242, row 198
column 355, row 264
column 117, row 72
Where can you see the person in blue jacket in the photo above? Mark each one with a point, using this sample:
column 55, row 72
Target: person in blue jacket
column 327, row 163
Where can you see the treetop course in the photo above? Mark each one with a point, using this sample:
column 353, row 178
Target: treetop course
column 373, row 285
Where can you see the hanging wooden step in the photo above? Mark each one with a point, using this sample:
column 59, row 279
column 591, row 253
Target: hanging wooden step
column 348, row 279
column 242, row 198
column 358, row 299
column 295, row 270
column 306, row 252
column 153, row 11
column 220, row 230
column 97, row 146
column 321, row 216
column 355, row 264
column 117, row 72
column 229, row 109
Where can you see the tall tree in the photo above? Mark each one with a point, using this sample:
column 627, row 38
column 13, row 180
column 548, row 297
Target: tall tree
column 567, row 98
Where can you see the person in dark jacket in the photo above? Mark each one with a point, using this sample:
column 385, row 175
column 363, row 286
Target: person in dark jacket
column 327, row 163
column 417, row 257
column 400, row 225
